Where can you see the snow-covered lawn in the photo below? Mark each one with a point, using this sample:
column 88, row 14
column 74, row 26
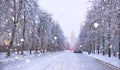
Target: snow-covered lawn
column 15, row 56
column 110, row 60
column 2, row 55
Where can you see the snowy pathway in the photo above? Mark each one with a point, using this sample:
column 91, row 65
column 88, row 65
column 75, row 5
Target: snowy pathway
column 55, row 61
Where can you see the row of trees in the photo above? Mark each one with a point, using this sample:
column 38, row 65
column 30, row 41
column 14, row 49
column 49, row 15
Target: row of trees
column 25, row 26
column 101, row 30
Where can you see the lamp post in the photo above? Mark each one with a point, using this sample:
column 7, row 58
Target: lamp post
column 81, row 47
column 55, row 38
column 109, row 49
column 37, row 44
column 18, row 45
column 93, row 41
column 22, row 40
column 96, row 25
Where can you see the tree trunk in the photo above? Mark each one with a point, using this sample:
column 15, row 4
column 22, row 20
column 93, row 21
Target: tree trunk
column 103, row 50
column 14, row 28
column 11, row 42
column 109, row 51
column 119, row 38
column 22, row 49
column 98, row 49
column 36, row 50
column 119, row 48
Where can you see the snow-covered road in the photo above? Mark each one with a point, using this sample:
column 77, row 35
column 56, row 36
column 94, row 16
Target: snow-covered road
column 55, row 61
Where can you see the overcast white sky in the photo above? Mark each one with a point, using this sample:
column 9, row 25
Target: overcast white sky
column 68, row 13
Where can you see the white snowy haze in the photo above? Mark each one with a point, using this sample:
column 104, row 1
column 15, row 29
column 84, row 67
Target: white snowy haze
column 70, row 14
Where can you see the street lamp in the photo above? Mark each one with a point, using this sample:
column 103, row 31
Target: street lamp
column 10, row 34
column 81, row 47
column 96, row 25
column 55, row 43
column 55, row 38
column 22, row 40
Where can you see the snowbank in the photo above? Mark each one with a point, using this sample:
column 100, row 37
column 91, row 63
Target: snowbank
column 110, row 60
column 15, row 56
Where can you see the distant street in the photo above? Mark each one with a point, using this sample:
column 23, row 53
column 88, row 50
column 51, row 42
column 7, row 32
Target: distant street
column 55, row 61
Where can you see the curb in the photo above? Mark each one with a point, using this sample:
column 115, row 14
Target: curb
column 108, row 64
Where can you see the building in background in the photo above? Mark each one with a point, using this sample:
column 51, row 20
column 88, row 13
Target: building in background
column 73, row 40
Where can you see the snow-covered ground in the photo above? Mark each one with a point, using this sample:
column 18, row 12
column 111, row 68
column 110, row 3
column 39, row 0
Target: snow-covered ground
column 109, row 60
column 15, row 56
column 55, row 61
